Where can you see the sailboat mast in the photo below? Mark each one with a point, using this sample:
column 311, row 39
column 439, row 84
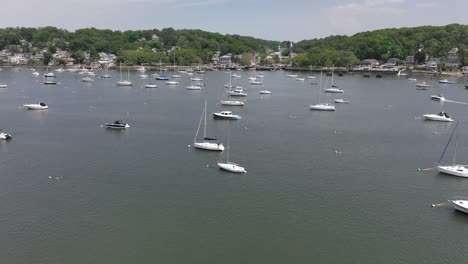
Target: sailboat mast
column 446, row 146
column 204, row 127
column 455, row 149
column 121, row 71
column 229, row 143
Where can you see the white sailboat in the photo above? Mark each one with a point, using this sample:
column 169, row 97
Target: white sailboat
column 123, row 82
column 333, row 88
column 151, row 84
column 206, row 144
column 230, row 166
column 322, row 106
column 460, row 205
column 192, row 86
column 454, row 169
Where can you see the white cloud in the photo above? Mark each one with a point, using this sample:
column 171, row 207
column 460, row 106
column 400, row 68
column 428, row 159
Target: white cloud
column 354, row 17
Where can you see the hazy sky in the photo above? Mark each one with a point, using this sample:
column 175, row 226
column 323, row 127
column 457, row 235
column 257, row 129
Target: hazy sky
column 276, row 20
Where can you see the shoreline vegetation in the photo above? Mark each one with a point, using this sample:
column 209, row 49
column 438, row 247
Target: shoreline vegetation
column 419, row 50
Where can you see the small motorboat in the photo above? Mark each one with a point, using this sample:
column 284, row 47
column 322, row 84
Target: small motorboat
column 172, row 83
column 255, row 82
column 5, row 136
column 87, row 79
column 412, row 79
column 35, row 73
column 226, row 115
column 162, row 78
column 300, row 79
column 50, row 82
column 235, row 75
column 438, row 97
column 446, row 81
column 334, row 90
column 265, row 92
column 460, row 205
column 143, row 76
column 232, row 103
column 193, row 87
column 105, row 76
column 237, row 92
column 197, row 79
column 37, row 106
column 441, row 117
column 423, row 86
column 151, row 86
column 322, row 107
column 175, row 76
column 291, row 75
column 311, row 77
column 252, row 78
column 124, row 83
column 118, row 124
column 49, row 75
column 3, row 85
column 341, row 101
column 231, row 167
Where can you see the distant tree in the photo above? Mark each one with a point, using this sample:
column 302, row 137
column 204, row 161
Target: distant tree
column 47, row 58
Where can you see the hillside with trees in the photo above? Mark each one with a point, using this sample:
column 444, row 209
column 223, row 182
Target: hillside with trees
column 434, row 41
column 134, row 46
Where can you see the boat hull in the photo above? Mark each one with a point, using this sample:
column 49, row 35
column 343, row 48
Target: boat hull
column 233, row 103
column 151, row 86
column 124, row 83
column 437, row 118
column 322, row 107
column 209, row 146
column 231, row 117
column 35, row 107
column 455, row 170
column 460, row 205
column 333, row 90
column 231, row 167
column 5, row 136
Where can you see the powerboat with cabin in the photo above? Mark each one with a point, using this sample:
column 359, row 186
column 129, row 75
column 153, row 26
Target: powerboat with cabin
column 118, row 124
column 460, row 205
column 322, row 107
column 226, row 115
column 5, row 136
column 36, row 106
column 438, row 97
column 441, row 117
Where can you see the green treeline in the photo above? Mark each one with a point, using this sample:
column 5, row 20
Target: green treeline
column 134, row 46
column 383, row 44
column 184, row 47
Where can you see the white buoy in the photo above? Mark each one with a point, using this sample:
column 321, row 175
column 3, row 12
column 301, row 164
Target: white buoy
column 188, row 146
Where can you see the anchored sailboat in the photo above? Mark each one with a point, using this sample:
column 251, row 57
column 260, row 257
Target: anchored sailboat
column 454, row 169
column 206, row 144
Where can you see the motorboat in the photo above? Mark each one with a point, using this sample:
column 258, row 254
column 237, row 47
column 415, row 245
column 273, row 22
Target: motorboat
column 265, row 92
column 36, row 106
column 322, row 107
column 207, row 143
column 300, row 79
column 237, row 92
column 150, row 85
column 226, row 115
column 197, row 79
column 423, row 86
column 143, row 76
column 412, row 79
column 311, row 77
column 124, row 83
column 172, row 83
column 235, row 75
column 5, row 136
column 232, row 103
column 256, row 82
column 334, row 90
column 175, row 76
column 3, row 85
column 162, row 78
column 438, row 97
column 446, row 81
column 231, row 167
column 341, row 101
column 35, row 73
column 49, row 75
column 193, row 87
column 59, row 70
column 87, row 79
column 49, row 82
column 460, row 205
column 259, row 76
column 118, row 124
column 292, row 75
column 105, row 76
column 441, row 117
column 252, row 78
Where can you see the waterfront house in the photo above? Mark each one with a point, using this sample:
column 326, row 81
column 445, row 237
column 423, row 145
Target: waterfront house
column 370, row 62
column 409, row 60
column 452, row 61
column 225, row 59
column 433, row 64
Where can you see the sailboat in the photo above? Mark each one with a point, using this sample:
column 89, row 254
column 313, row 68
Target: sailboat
column 230, row 166
column 161, row 77
column 206, row 144
column 230, row 83
column 192, row 86
column 454, row 169
column 334, row 88
column 106, row 74
column 49, row 74
column 150, row 84
column 123, row 82
column 322, row 106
